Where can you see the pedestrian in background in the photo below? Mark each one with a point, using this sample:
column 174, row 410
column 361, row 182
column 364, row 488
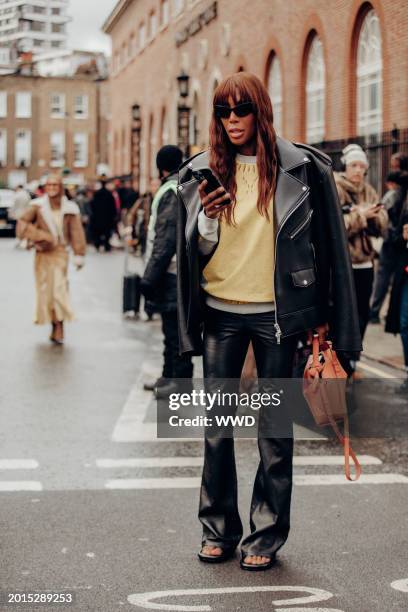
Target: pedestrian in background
column 22, row 200
column 364, row 217
column 103, row 217
column 393, row 202
column 397, row 316
column 52, row 224
column 254, row 261
column 159, row 282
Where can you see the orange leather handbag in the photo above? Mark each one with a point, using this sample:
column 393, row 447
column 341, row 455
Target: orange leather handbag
column 324, row 389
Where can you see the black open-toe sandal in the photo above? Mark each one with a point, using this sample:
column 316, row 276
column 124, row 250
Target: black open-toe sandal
column 257, row 567
column 227, row 553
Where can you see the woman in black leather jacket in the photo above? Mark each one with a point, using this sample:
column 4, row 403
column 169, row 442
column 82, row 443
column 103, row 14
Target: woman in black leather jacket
column 271, row 265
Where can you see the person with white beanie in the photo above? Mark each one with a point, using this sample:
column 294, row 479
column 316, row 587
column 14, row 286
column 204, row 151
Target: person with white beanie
column 364, row 217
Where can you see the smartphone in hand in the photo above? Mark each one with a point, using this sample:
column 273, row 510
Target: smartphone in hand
column 212, row 182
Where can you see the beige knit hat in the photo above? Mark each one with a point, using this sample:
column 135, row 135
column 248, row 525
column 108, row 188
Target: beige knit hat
column 353, row 153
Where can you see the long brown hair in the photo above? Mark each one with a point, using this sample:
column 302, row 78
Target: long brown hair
column 245, row 87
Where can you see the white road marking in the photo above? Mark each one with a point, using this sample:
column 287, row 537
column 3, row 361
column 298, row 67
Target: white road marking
column 153, row 483
column 163, row 462
column 18, row 464
column 340, row 479
column 298, row 480
column 130, row 426
column 304, row 460
column 400, row 585
column 376, row 371
column 145, row 600
column 145, row 462
column 20, row 485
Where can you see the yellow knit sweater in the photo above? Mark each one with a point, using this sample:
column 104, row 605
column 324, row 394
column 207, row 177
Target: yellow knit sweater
column 241, row 267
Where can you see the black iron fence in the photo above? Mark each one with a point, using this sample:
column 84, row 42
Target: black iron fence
column 379, row 148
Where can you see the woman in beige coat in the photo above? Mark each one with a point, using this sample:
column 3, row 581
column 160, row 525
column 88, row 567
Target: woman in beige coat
column 365, row 218
column 53, row 224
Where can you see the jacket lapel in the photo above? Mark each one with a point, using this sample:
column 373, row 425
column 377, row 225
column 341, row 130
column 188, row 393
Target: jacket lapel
column 289, row 190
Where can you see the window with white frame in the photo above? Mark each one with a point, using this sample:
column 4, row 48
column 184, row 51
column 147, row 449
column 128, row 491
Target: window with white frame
column 164, row 12
column 369, row 77
column 315, row 92
column 22, row 149
column 178, row 6
column 57, row 146
column 23, row 104
column 3, row 147
column 142, row 35
column 81, row 106
column 57, row 105
column 152, row 25
column 275, row 93
column 3, row 104
column 80, row 149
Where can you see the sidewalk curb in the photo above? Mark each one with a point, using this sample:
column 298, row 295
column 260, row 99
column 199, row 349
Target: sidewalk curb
column 384, row 361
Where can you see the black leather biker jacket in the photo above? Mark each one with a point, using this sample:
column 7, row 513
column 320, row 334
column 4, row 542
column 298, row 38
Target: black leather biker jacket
column 313, row 277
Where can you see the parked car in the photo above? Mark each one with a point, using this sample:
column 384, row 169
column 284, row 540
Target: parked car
column 7, row 225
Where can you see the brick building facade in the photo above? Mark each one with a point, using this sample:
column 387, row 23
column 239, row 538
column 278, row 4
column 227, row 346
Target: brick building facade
column 334, row 69
column 47, row 124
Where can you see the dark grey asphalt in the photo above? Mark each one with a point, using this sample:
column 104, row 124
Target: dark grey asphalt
column 60, row 406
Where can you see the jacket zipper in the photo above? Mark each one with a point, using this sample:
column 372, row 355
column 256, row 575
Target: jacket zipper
column 302, row 225
column 278, row 331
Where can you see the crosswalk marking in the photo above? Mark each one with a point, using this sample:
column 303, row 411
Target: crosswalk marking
column 18, row 464
column 153, row 483
column 20, row 485
column 298, row 480
column 150, row 462
column 146, row 462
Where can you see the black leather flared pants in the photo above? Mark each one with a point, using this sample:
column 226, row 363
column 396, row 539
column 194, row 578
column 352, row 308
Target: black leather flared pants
column 226, row 340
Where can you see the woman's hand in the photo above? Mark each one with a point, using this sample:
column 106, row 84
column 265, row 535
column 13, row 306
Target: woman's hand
column 405, row 231
column 213, row 202
column 321, row 330
column 372, row 211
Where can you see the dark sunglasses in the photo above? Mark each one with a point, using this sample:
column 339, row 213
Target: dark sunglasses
column 241, row 110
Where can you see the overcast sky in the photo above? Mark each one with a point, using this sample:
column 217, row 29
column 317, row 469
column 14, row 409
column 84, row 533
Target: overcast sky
column 84, row 31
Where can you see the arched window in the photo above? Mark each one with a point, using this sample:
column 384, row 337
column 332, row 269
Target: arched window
column 369, row 76
column 315, row 92
column 275, row 92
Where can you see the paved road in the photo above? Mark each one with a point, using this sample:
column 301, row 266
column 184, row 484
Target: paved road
column 91, row 502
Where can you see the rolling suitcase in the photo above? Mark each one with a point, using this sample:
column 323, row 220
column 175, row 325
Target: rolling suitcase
column 131, row 288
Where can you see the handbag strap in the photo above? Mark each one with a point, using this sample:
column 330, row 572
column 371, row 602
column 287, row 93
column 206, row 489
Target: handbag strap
column 344, row 439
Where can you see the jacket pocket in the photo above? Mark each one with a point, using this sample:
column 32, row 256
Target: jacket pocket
column 302, row 225
column 303, row 278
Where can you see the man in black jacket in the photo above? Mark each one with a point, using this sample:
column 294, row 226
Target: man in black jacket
column 159, row 282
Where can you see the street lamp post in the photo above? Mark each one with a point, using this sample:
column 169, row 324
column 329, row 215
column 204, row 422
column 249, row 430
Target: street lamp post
column 135, row 145
column 183, row 114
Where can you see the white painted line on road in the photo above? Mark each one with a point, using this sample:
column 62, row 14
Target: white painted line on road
column 153, row 483
column 340, row 479
column 20, row 485
column 146, row 600
column 400, row 585
column 298, row 480
column 18, row 464
column 147, row 462
column 162, row 462
column 377, row 371
column 304, row 460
